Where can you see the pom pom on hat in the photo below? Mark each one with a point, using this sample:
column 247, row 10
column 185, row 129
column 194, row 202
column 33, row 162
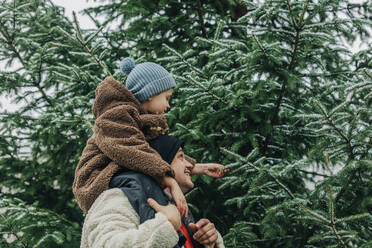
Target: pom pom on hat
column 127, row 65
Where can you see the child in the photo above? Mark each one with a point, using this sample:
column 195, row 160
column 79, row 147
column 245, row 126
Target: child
column 126, row 118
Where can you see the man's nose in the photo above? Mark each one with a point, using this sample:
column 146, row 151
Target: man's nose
column 188, row 165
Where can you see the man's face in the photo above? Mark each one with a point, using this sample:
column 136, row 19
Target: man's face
column 182, row 170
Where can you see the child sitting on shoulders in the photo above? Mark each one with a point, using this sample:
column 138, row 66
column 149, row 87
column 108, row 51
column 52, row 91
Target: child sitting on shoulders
column 126, row 119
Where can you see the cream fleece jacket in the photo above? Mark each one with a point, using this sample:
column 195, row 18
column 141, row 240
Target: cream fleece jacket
column 112, row 222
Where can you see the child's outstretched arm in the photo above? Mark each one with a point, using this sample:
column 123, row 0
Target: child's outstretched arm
column 209, row 169
column 177, row 194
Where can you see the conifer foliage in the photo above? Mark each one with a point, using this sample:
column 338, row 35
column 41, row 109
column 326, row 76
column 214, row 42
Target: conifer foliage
column 267, row 88
column 283, row 100
column 139, row 28
column 53, row 79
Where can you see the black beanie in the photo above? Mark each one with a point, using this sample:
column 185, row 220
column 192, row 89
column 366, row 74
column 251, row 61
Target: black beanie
column 167, row 146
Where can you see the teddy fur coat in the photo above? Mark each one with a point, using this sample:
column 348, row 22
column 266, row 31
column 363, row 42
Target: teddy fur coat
column 121, row 131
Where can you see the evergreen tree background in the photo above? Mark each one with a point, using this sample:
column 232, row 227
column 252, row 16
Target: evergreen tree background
column 267, row 88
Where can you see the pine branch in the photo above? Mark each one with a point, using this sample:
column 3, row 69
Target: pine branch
column 92, row 18
column 182, row 59
column 291, row 64
column 10, row 227
column 61, row 45
column 217, row 34
column 257, row 169
column 220, row 99
column 290, row 13
column 353, row 217
column 261, row 47
column 14, row 14
column 331, row 210
column 201, row 19
column 194, row 81
column 218, row 30
column 303, row 14
column 37, row 85
column 298, row 29
column 365, row 71
column 100, row 27
column 84, row 46
column 112, row 16
column 331, row 74
column 319, row 217
column 215, row 43
column 77, row 26
column 44, row 95
column 57, row 216
column 271, row 239
column 335, row 128
column 314, row 173
column 332, row 220
column 207, row 90
column 343, row 189
column 9, row 41
column 94, row 35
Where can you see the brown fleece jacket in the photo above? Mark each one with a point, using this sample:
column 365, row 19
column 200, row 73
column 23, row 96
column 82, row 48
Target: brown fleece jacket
column 121, row 131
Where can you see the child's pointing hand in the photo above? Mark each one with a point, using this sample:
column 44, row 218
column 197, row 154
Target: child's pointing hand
column 215, row 170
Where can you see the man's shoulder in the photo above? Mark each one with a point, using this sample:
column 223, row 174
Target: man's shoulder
column 111, row 204
column 110, row 200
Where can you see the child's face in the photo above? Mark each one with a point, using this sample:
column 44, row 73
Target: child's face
column 159, row 103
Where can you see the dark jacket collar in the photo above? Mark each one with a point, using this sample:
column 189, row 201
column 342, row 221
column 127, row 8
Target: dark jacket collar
column 138, row 188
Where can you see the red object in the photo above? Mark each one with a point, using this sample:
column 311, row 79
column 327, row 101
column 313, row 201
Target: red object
column 188, row 243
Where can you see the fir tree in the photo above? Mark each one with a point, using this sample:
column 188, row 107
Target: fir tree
column 282, row 101
column 266, row 87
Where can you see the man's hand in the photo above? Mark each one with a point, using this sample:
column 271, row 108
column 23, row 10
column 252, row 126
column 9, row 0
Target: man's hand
column 205, row 232
column 177, row 194
column 170, row 211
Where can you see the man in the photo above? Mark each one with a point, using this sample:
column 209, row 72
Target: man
column 135, row 212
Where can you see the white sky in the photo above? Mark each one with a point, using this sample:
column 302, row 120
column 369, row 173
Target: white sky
column 86, row 23
column 77, row 6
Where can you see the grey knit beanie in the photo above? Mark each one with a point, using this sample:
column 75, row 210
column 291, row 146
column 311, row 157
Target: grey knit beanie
column 146, row 79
